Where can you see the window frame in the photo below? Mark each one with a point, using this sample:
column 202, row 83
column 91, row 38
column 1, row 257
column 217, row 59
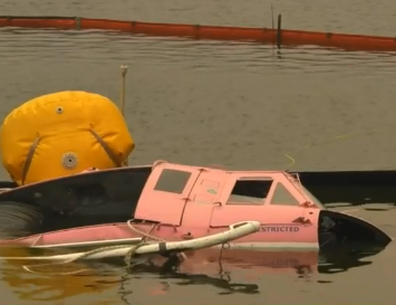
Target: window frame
column 179, row 191
column 262, row 202
column 295, row 204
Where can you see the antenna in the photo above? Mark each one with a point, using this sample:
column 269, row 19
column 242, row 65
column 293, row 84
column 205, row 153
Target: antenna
column 124, row 70
column 273, row 27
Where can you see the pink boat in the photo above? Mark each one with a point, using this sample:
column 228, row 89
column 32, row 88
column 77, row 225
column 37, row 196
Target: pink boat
column 179, row 202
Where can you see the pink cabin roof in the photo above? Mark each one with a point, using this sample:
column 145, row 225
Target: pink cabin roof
column 171, row 187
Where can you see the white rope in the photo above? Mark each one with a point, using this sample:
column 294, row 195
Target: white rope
column 235, row 231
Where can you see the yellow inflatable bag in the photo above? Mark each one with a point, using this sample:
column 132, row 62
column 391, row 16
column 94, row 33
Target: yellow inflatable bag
column 61, row 134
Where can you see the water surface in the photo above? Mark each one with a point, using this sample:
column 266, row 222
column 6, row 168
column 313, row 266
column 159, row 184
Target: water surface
column 236, row 104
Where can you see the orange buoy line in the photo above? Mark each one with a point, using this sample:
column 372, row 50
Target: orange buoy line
column 278, row 36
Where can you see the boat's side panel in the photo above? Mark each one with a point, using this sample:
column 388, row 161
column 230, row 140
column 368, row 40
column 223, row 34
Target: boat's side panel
column 280, row 225
column 205, row 195
column 166, row 193
column 285, row 219
column 78, row 235
column 96, row 233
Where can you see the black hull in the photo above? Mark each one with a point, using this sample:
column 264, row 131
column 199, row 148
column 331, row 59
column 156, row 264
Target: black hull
column 79, row 200
column 112, row 195
column 352, row 187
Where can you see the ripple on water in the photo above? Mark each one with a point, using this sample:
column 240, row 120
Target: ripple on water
column 97, row 46
column 306, row 87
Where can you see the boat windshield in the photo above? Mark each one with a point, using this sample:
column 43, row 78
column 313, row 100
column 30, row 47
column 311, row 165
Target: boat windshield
column 313, row 198
column 302, row 188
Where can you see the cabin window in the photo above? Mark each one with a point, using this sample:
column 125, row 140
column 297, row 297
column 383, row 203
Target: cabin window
column 250, row 192
column 283, row 197
column 172, row 181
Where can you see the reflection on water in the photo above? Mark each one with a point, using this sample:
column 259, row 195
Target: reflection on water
column 37, row 287
column 341, row 264
column 224, row 272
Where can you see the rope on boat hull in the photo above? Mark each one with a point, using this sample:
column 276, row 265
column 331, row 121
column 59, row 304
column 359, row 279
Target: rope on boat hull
column 146, row 247
column 127, row 258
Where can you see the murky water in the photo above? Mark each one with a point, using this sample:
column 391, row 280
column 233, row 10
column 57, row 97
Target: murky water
column 239, row 105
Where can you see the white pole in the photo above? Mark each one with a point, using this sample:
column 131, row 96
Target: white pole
column 124, row 70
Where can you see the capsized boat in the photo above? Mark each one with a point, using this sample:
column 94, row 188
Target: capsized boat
column 53, row 145
column 176, row 202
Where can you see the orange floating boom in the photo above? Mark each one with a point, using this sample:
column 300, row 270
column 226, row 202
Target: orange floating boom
column 260, row 35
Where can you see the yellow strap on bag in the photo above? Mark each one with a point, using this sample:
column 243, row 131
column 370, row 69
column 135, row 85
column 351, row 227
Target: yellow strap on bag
column 63, row 133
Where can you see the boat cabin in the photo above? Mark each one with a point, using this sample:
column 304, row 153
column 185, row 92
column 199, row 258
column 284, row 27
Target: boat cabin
column 179, row 194
column 164, row 192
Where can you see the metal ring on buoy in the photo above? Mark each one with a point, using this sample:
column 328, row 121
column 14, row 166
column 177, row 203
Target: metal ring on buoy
column 59, row 110
column 69, row 160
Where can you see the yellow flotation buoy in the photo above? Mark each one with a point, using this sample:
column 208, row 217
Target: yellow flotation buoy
column 63, row 133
